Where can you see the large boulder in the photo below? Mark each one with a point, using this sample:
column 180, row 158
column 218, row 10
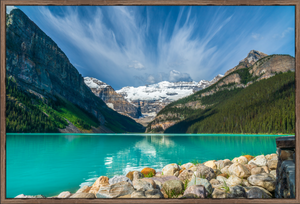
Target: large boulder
column 215, row 183
column 148, row 171
column 198, row 190
column 186, row 175
column 237, row 192
column 222, row 163
column 137, row 175
column 271, row 157
column 250, row 166
column 138, row 194
column 205, row 172
column 188, row 166
column 257, row 170
column 239, row 170
column 117, row 179
column 219, row 193
column 142, row 184
column 210, row 164
column 154, row 193
column 65, row 194
column 259, row 161
column 225, row 170
column 171, row 170
column 115, row 190
column 200, row 181
column 257, row 192
column 272, row 164
column 101, row 181
column 249, row 157
column 233, row 181
column 273, row 173
column 83, row 195
column 173, row 186
column 151, row 181
column 240, row 160
column 264, row 180
column 84, row 189
column 221, row 179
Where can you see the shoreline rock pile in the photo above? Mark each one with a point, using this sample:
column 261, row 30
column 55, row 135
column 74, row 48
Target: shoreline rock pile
column 243, row 177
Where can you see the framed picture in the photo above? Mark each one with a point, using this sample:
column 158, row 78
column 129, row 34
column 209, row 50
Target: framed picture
column 149, row 101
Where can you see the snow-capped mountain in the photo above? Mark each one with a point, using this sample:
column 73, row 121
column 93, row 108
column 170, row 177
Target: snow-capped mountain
column 164, row 91
column 147, row 100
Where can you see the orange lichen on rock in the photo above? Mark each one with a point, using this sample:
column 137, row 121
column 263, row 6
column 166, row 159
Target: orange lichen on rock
column 249, row 157
column 147, row 170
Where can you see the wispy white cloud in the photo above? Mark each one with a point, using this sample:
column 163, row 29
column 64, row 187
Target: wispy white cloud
column 284, row 33
column 118, row 40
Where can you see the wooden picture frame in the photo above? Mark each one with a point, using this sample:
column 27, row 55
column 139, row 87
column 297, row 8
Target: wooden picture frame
column 5, row 3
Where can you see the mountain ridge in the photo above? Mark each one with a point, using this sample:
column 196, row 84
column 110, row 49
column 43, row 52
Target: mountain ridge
column 237, row 79
column 39, row 66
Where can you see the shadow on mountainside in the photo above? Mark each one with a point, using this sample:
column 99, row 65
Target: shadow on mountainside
column 183, row 126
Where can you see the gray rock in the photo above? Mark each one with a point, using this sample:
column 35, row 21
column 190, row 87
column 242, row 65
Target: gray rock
column 117, row 179
column 233, row 180
column 225, row 170
column 237, row 192
column 264, row 180
column 219, row 193
column 215, row 183
column 163, row 179
column 203, row 182
column 257, row 170
column 255, row 192
column 39, row 196
column 137, row 175
column 239, row 170
column 272, row 164
column 273, row 173
column 155, row 193
column 259, row 161
column 175, row 186
column 205, row 172
column 83, row 195
column 65, row 194
column 186, row 175
column 198, row 190
column 83, row 189
column 142, row 184
column 116, row 190
column 29, row 196
column 138, row 194
column 221, row 179
column 222, row 163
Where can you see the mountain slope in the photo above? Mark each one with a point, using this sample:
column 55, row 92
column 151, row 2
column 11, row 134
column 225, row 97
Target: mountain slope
column 40, row 67
column 185, row 114
column 111, row 98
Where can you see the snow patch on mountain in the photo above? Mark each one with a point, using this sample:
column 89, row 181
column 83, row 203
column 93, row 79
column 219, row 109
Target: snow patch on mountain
column 94, row 83
column 164, row 91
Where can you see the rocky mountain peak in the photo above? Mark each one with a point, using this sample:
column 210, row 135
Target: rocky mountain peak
column 253, row 56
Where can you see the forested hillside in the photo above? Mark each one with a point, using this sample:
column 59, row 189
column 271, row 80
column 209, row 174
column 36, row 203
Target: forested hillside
column 45, row 91
column 267, row 106
column 26, row 112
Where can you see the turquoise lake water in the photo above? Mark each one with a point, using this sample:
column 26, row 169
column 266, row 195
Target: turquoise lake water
column 49, row 164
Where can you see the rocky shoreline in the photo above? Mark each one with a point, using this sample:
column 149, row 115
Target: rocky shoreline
column 243, row 177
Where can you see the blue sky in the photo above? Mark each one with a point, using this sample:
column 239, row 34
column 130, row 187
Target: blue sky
column 139, row 45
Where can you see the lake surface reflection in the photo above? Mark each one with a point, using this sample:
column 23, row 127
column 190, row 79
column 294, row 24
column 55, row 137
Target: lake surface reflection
column 50, row 164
